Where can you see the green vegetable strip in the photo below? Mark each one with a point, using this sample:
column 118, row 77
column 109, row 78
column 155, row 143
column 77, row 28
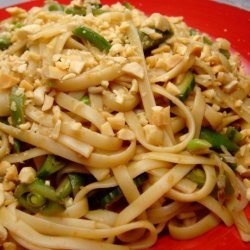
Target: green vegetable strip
column 85, row 99
column 116, row 194
column 38, row 197
column 35, row 200
column 149, row 44
column 39, row 187
column 20, row 190
column 18, row 25
column 4, row 43
column 76, row 181
column 225, row 52
column 192, row 32
column 24, row 203
column 17, row 106
column 112, row 197
column 81, row 11
column 93, row 37
column 233, row 135
column 50, row 166
column 207, row 40
column 217, row 140
column 17, row 146
column 229, row 190
column 128, row 5
column 198, row 144
column 186, row 86
column 64, row 189
column 56, row 7
column 198, row 176
column 97, row 12
column 52, row 208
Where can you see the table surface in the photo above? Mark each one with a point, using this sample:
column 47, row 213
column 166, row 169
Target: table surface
column 244, row 4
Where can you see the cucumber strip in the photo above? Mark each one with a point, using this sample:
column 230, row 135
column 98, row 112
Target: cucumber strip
column 225, row 52
column 17, row 100
column 149, row 44
column 186, row 86
column 116, row 194
column 97, row 40
column 198, row 176
column 39, row 187
column 76, row 181
column 50, row 166
column 55, row 7
column 217, row 140
column 4, row 43
column 85, row 99
column 52, row 208
column 233, row 135
column 198, row 144
column 81, row 11
column 64, row 189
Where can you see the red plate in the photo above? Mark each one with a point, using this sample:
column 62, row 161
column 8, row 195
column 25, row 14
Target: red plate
column 218, row 20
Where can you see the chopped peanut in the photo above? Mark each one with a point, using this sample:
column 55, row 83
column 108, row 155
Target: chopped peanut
column 25, row 126
column 27, row 175
column 135, row 87
column 8, row 198
column 153, row 134
column 213, row 117
column 241, row 169
column 7, row 81
column 117, row 121
column 160, row 115
column 8, row 185
column 157, row 21
column 26, row 85
column 48, row 102
column 142, row 118
column 39, row 95
column 4, row 165
column 126, row 134
column 54, row 72
column 172, row 89
column 76, row 67
column 106, row 129
column 11, row 173
column 134, row 69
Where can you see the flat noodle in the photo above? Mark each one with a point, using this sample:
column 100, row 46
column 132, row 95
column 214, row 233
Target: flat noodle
column 91, row 78
column 79, row 108
column 25, row 155
column 144, row 86
column 198, row 111
column 117, row 127
column 182, row 233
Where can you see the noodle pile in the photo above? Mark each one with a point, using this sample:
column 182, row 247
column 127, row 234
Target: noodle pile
column 150, row 116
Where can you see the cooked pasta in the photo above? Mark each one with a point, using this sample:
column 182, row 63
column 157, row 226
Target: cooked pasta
column 117, row 126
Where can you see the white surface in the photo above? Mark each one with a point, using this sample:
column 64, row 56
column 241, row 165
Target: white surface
column 5, row 3
column 244, row 4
